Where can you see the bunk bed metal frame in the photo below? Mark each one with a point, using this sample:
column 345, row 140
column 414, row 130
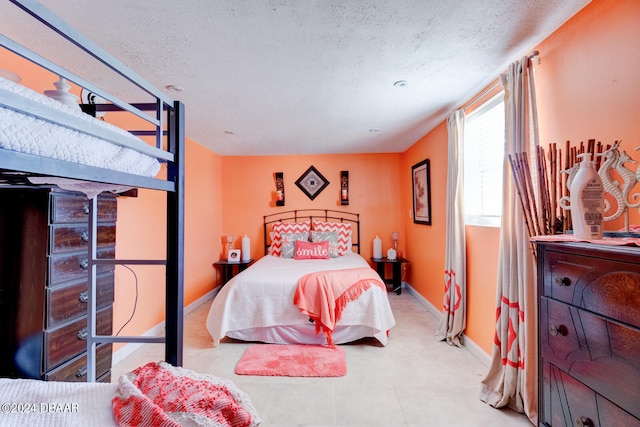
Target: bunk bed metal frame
column 169, row 131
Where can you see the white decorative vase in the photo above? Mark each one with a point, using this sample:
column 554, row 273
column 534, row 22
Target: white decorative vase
column 377, row 248
column 246, row 248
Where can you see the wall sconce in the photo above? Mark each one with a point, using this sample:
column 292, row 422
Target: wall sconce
column 279, row 189
column 344, row 187
column 395, row 236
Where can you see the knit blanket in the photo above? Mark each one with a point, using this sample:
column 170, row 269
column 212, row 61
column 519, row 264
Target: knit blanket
column 323, row 295
column 158, row 394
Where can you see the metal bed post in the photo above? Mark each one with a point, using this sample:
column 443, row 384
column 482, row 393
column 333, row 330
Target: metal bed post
column 91, row 302
column 173, row 185
column 175, row 240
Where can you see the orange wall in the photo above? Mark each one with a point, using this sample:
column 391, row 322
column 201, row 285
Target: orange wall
column 482, row 273
column 141, row 234
column 203, row 219
column 142, row 224
column 587, row 82
column 249, row 185
column 141, row 230
column 587, row 87
column 425, row 246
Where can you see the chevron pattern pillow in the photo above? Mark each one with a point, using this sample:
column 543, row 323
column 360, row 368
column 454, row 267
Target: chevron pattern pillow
column 285, row 227
column 344, row 233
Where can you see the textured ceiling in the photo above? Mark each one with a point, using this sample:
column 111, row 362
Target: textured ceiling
column 262, row 77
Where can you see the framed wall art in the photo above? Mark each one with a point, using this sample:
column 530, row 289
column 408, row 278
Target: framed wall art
column 420, row 177
column 311, row 182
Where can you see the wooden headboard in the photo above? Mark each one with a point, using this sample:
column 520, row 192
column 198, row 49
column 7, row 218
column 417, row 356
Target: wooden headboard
column 327, row 215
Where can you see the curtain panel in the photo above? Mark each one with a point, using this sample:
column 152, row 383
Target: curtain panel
column 453, row 320
column 512, row 377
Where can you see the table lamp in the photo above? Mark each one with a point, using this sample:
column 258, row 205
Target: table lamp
column 395, row 236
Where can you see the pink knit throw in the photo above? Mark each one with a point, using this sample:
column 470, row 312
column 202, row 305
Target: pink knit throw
column 323, row 295
column 158, row 394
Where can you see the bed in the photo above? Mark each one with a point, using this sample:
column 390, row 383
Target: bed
column 153, row 394
column 258, row 303
column 48, row 143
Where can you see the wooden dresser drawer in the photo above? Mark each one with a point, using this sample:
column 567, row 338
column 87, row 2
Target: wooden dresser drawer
column 74, row 266
column 69, row 238
column 565, row 273
column 69, row 340
column 69, row 301
column 559, row 341
column 589, row 334
column 76, row 369
column 105, row 378
column 75, row 208
column 567, row 402
column 594, row 350
column 606, row 287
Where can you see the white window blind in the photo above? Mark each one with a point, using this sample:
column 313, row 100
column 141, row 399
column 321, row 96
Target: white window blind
column 483, row 162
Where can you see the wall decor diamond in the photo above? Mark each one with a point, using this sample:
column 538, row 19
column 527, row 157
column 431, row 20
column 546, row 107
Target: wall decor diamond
column 311, row 182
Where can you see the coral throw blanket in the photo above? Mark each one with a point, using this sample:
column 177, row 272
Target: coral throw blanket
column 158, row 394
column 324, row 294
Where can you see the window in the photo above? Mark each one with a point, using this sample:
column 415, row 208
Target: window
column 483, row 163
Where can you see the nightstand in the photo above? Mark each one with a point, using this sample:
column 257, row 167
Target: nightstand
column 396, row 278
column 228, row 268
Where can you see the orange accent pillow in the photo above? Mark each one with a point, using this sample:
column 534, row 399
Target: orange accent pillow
column 312, row 250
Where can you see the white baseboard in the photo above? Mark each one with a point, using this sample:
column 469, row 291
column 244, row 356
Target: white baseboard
column 477, row 351
column 424, row 302
column 468, row 344
column 158, row 330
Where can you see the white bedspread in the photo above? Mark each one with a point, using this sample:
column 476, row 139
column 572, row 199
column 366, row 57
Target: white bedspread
column 31, row 135
column 260, row 299
column 36, row 403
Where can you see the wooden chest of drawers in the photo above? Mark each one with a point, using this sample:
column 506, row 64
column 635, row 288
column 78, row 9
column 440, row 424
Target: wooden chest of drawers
column 43, row 283
column 589, row 335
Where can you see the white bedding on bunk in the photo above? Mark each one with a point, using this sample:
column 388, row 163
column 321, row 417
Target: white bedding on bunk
column 157, row 393
column 28, row 134
column 257, row 305
column 38, row 403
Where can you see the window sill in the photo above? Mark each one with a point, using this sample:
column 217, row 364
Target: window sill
column 484, row 221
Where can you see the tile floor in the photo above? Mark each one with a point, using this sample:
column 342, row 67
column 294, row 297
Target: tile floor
column 414, row 381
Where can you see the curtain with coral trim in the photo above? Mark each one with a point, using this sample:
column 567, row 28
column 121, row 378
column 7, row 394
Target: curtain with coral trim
column 453, row 320
column 512, row 377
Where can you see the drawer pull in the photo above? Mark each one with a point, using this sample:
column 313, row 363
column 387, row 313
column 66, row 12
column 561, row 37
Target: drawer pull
column 82, row 334
column 84, row 236
column 583, row 422
column 84, row 297
column 85, row 209
column 563, row 281
column 84, row 263
column 82, row 372
column 555, row 330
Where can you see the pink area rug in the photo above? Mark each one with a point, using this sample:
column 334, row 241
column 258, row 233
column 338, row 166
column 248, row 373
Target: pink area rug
column 292, row 360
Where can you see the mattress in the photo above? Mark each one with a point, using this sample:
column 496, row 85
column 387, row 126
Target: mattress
column 257, row 305
column 28, row 134
column 39, row 403
column 157, row 393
